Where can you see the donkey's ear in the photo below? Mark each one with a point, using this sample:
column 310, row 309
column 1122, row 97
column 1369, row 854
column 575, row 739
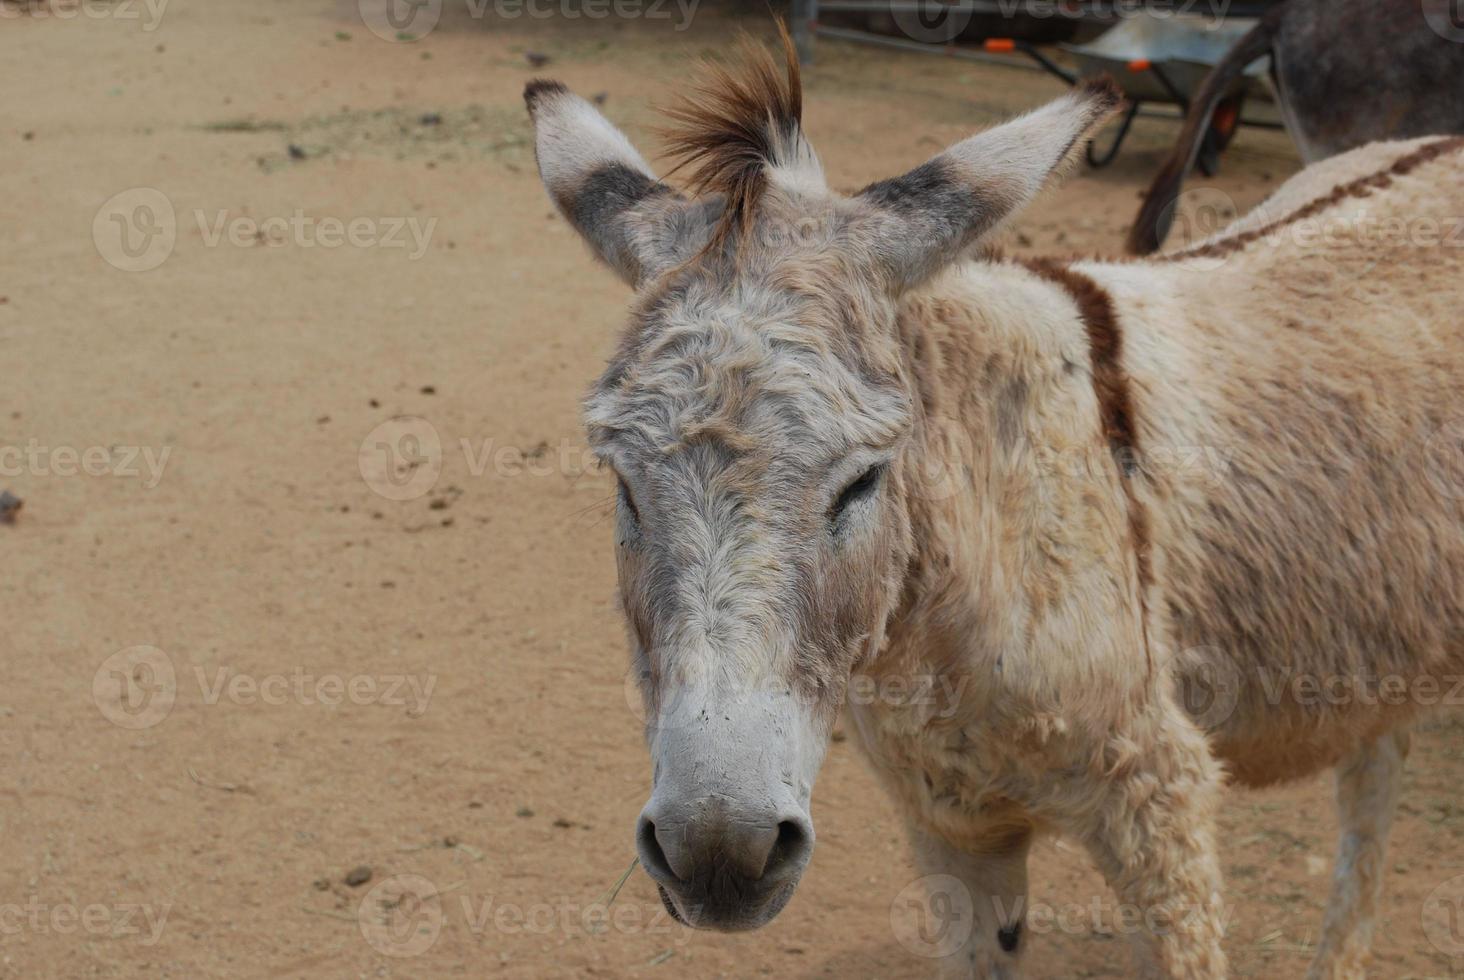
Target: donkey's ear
column 636, row 224
column 922, row 220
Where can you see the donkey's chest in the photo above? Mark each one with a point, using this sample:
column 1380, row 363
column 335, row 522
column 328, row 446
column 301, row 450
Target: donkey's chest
column 956, row 775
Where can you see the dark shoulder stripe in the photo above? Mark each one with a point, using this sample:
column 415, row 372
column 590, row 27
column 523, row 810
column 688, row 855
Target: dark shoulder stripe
column 1105, row 346
column 1115, row 397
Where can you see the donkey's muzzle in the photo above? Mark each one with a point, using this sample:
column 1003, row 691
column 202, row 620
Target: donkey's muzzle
column 721, row 867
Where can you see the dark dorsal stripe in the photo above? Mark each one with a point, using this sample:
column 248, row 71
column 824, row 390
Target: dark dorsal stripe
column 1359, row 187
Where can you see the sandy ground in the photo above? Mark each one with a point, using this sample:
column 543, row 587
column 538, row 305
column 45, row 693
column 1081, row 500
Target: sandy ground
column 238, row 668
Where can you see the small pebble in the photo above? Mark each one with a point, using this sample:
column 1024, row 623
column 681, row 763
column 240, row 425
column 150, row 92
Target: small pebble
column 10, row 505
column 357, row 877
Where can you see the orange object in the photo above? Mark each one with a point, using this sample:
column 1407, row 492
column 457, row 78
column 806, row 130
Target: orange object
column 1140, row 64
column 1000, row 44
column 1225, row 116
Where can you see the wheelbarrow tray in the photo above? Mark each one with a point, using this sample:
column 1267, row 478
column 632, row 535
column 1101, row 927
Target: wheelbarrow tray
column 1184, row 47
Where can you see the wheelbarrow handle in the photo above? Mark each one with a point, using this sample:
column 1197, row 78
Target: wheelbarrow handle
column 1003, row 45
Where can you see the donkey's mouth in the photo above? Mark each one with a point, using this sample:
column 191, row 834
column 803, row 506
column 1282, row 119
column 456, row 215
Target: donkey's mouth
column 671, row 906
column 726, row 914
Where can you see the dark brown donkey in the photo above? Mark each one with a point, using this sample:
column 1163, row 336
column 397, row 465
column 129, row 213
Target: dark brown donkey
column 1346, row 73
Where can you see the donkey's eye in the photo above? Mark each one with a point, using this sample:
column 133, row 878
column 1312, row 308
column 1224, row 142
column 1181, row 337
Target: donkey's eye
column 861, row 488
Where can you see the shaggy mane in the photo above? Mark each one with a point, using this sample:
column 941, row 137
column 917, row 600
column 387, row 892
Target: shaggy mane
column 736, row 122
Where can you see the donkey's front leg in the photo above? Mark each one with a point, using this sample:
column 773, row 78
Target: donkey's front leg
column 992, row 874
column 1367, row 796
column 1148, row 817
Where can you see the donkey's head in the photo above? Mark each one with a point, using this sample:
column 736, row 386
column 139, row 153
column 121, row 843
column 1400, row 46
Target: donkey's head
column 758, row 414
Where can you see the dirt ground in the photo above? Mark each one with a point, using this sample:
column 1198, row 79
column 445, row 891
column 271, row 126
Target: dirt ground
column 244, row 663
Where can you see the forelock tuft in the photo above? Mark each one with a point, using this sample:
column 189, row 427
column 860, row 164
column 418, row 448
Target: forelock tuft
column 737, row 122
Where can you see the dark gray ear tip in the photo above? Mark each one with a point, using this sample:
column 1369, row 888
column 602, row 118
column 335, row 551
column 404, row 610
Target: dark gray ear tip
column 541, row 88
column 1102, row 91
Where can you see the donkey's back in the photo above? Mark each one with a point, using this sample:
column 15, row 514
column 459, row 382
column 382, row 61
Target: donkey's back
column 1299, row 380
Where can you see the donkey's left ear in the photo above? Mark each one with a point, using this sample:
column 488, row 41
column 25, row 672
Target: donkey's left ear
column 636, row 224
column 919, row 222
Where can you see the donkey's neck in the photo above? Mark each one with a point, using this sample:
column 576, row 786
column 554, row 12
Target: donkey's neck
column 1023, row 549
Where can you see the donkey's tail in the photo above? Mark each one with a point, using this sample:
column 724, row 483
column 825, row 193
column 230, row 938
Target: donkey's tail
column 1157, row 212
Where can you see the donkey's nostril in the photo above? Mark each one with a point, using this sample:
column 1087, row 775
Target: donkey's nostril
column 791, row 850
column 651, row 854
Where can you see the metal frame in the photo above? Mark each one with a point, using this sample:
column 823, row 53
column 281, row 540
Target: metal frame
column 806, row 28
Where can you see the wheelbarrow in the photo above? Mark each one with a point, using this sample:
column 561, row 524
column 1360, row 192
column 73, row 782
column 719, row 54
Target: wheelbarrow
column 1159, row 59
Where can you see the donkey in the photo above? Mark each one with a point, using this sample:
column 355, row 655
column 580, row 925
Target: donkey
column 1345, row 72
column 856, row 448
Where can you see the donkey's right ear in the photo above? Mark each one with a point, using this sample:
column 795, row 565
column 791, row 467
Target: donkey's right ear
column 636, row 224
